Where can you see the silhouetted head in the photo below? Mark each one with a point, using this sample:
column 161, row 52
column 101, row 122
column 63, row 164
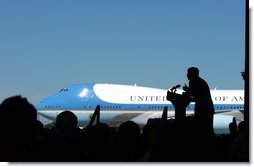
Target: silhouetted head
column 17, row 118
column 129, row 127
column 242, row 126
column 232, row 127
column 98, row 132
column 192, row 72
column 66, row 121
column 101, row 128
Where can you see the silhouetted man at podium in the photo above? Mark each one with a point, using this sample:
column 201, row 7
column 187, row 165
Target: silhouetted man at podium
column 199, row 91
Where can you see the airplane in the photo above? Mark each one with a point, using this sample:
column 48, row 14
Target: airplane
column 119, row 103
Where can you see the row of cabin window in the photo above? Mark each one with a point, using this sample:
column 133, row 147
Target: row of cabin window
column 227, row 107
column 55, row 107
column 151, row 107
column 103, row 107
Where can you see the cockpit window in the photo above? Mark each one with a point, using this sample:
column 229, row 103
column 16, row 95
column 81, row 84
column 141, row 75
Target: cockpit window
column 64, row 90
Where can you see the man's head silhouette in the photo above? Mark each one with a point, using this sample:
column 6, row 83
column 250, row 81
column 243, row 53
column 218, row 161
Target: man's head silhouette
column 192, row 72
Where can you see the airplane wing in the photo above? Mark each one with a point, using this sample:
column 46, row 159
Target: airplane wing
column 238, row 114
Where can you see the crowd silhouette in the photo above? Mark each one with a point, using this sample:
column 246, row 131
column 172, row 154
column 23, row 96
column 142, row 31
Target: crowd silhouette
column 25, row 139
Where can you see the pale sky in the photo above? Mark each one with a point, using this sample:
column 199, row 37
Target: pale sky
column 46, row 45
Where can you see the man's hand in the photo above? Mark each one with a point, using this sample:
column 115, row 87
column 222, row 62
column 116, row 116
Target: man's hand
column 185, row 88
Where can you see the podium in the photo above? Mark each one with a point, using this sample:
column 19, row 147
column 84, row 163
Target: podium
column 180, row 103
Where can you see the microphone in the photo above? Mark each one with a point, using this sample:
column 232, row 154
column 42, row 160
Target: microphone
column 175, row 87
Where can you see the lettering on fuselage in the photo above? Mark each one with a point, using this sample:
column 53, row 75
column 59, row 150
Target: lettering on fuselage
column 226, row 98
column 163, row 98
column 148, row 98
